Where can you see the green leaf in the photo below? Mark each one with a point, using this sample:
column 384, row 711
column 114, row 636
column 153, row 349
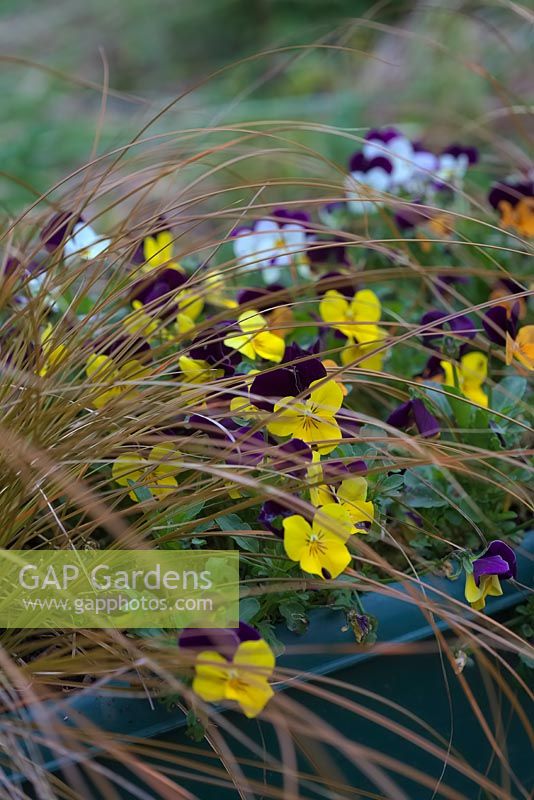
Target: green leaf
column 248, row 608
column 508, row 394
column 231, row 522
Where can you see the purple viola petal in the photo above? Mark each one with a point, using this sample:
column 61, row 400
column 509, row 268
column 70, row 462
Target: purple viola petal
column 510, row 192
column 349, row 423
column 426, row 423
column 284, row 215
column 337, row 470
column 222, row 640
column 57, row 229
column 496, row 324
column 433, row 317
column 358, row 162
column 267, row 387
column 159, row 288
column 500, row 548
column 384, row 135
column 328, row 251
column 463, row 326
column 295, row 456
column 209, row 346
column 401, row 416
column 247, row 448
column 489, row 565
column 432, row 369
column 269, row 513
column 455, row 150
column 121, row 347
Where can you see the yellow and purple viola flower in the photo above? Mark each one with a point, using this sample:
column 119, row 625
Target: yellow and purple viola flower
column 468, row 375
column 312, row 420
column 158, row 251
column 501, row 326
column 231, row 664
column 496, row 564
column 320, row 548
column 460, row 325
column 115, row 368
column 156, row 472
column 255, row 339
column 297, row 371
column 414, row 413
column 514, row 200
column 274, row 246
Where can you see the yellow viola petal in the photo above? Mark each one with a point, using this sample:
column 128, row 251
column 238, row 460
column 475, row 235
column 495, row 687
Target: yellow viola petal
column 491, row 585
column 474, row 367
column 129, row 467
column 332, row 521
column 473, row 593
column 255, row 654
column 449, row 370
column 161, row 485
column 312, row 561
column 524, row 346
column 366, row 306
column 326, row 398
column 164, row 246
column 336, row 557
column 297, row 532
column 476, row 394
column 287, row 416
column 211, row 675
column 353, row 489
column 251, row 321
column 191, row 305
column 269, row 346
column 150, row 248
column 100, row 367
column 184, row 323
column 334, row 308
column 252, row 698
column 325, row 436
column 359, row 511
column 163, row 458
column 242, row 344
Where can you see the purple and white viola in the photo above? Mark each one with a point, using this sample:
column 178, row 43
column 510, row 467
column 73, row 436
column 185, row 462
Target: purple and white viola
column 273, row 245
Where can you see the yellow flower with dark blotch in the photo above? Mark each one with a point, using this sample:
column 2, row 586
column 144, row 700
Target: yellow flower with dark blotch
column 138, row 322
column 52, row 356
column 468, row 376
column 320, row 547
column 114, row 380
column 350, row 494
column 312, row 420
column 244, row 679
column 158, row 252
column 356, row 318
column 190, row 307
column 243, row 406
column 195, row 370
column 521, row 347
column 256, row 339
column 155, row 473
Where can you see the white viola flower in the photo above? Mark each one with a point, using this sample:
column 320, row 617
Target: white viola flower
column 425, row 166
column 272, row 246
column 453, row 164
column 85, row 242
column 397, row 148
column 368, row 180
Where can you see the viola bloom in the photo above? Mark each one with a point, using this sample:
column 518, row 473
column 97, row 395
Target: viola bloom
column 461, row 325
column 255, row 338
column 350, row 494
column 330, row 364
column 367, row 182
column 414, row 412
column 320, row 547
column 75, row 236
column 468, row 376
column 355, row 318
column 364, row 354
column 453, row 163
column 103, row 371
column 312, row 420
column 390, row 143
column 500, row 324
column 298, row 370
column 243, row 679
column 514, row 200
column 138, row 322
column 158, row 251
column 274, row 245
column 156, row 473
column 498, row 563
column 190, row 307
column 196, row 370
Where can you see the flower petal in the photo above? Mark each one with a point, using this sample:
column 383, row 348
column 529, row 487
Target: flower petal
column 297, row 532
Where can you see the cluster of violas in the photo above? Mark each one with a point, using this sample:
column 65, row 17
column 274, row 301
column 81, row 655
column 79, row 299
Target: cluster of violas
column 285, row 404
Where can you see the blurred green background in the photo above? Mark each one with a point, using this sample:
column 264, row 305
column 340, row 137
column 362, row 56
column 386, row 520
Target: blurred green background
column 417, row 71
